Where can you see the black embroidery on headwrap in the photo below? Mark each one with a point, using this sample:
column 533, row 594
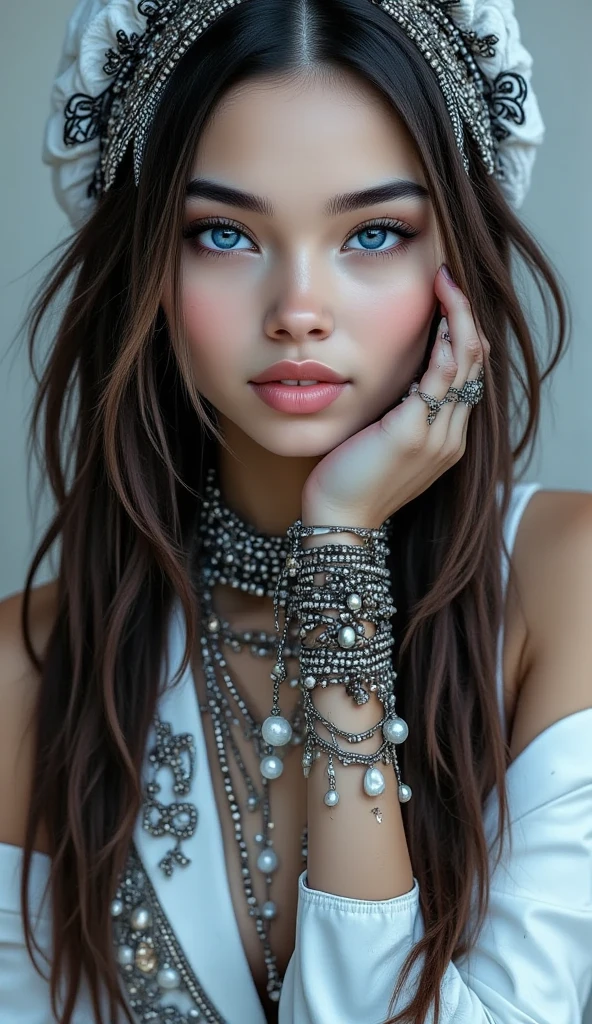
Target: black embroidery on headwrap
column 82, row 116
column 149, row 8
column 125, row 50
column 506, row 97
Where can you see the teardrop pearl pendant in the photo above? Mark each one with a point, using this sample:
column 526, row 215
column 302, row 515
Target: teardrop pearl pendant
column 374, row 783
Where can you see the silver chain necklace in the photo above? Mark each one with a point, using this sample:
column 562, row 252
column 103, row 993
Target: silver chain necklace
column 229, row 551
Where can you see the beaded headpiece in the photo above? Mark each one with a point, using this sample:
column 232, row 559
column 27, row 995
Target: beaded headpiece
column 119, row 54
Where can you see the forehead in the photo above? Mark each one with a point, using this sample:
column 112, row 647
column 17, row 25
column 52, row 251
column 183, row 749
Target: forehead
column 313, row 135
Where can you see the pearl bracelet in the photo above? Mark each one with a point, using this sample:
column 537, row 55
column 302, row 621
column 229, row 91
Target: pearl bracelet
column 355, row 591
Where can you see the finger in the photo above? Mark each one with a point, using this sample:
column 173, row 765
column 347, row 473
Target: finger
column 459, row 421
column 465, row 336
column 436, row 380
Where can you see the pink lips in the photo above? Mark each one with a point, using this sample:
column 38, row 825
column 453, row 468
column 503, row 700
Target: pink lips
column 292, row 398
column 287, row 369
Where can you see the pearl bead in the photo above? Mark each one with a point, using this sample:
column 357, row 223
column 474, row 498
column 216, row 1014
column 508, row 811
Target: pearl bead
column 294, row 682
column 310, row 682
column 346, row 636
column 274, row 995
column 168, row 978
column 405, row 793
column 141, row 919
column 125, row 955
column 395, row 730
column 252, row 803
column 354, row 602
column 116, row 908
column 271, row 767
column 276, row 731
column 374, row 783
column 194, row 1014
column 269, row 910
column 331, row 798
column 267, row 861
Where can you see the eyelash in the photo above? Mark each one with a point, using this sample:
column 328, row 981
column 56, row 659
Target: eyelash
column 406, row 232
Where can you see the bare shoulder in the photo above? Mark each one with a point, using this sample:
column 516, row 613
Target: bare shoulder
column 552, row 564
column 14, row 659
column 19, row 682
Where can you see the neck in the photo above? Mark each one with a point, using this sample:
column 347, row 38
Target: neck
column 263, row 488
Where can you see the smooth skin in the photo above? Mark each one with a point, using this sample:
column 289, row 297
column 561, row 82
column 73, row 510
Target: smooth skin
column 299, row 282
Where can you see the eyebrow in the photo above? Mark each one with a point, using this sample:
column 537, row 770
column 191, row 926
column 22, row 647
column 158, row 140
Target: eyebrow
column 399, row 188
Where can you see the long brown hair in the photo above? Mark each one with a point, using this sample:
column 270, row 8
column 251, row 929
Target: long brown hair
column 115, row 423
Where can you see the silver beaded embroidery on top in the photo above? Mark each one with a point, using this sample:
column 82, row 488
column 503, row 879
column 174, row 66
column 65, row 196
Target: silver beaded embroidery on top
column 160, row 984
column 142, row 64
column 178, row 820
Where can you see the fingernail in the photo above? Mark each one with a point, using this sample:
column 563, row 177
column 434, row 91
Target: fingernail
column 446, row 271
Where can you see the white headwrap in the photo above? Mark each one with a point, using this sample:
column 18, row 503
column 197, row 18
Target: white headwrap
column 515, row 112
column 102, row 34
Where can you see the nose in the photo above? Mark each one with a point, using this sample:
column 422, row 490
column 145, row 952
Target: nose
column 298, row 316
column 298, row 325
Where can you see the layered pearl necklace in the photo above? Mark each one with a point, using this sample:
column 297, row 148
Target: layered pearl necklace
column 230, row 552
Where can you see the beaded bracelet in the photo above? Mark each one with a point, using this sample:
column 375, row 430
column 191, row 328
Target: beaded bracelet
column 356, row 587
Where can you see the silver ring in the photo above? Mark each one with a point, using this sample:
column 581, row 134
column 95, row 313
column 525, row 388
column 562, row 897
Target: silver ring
column 471, row 392
column 433, row 404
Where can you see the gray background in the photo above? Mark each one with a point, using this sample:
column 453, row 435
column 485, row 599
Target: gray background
column 558, row 210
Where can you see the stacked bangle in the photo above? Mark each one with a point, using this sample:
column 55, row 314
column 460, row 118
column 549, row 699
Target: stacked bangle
column 355, row 591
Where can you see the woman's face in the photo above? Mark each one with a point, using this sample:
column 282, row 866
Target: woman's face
column 304, row 275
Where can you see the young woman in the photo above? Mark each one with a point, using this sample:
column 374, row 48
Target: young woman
column 260, row 771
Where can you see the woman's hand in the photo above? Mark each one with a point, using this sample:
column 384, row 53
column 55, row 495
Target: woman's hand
column 378, row 470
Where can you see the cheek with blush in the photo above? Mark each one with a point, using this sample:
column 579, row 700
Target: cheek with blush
column 215, row 337
column 396, row 331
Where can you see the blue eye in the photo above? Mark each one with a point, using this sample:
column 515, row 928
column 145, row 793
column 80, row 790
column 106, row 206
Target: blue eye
column 224, row 237
column 375, row 235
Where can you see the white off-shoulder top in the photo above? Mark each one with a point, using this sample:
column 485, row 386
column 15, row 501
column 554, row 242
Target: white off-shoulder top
column 533, row 960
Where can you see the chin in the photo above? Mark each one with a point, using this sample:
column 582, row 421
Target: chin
column 299, row 440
